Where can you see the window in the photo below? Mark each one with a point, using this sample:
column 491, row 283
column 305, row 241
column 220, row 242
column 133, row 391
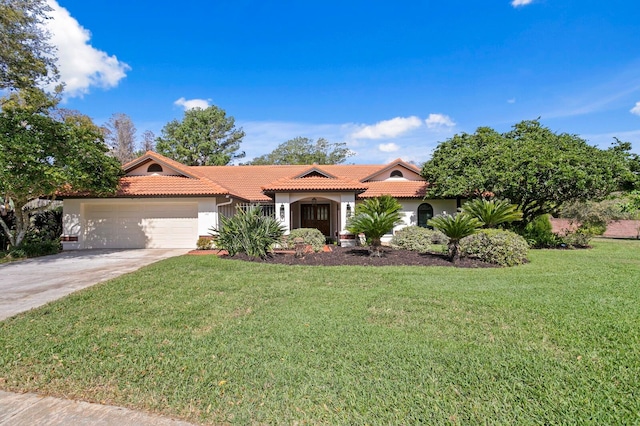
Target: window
column 396, row 173
column 425, row 212
column 154, row 168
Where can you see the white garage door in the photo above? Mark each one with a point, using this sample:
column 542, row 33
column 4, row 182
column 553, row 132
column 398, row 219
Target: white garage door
column 141, row 225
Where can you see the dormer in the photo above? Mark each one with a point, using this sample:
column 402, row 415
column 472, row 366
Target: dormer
column 152, row 164
column 395, row 171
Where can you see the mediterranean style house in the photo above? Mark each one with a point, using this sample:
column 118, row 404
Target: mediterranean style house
column 161, row 203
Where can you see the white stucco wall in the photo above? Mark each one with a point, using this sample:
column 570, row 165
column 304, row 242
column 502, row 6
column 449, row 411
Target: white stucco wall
column 74, row 218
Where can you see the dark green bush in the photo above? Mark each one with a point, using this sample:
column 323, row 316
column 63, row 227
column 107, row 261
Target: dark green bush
column 497, row 246
column 417, row 238
column 36, row 248
column 538, row 233
column 311, row 236
column 248, row 232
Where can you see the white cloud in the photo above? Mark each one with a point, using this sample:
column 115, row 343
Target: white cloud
column 436, row 121
column 81, row 65
column 636, row 109
column 388, row 128
column 511, row 101
column 518, row 3
column 192, row 103
column 388, row 147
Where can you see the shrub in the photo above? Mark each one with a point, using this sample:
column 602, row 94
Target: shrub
column 417, row 238
column 38, row 248
column 579, row 238
column 311, row 236
column 204, row 243
column 248, row 232
column 538, row 233
column 504, row 248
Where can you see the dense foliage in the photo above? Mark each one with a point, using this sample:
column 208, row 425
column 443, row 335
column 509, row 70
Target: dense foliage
column 304, row 151
column 42, row 154
column 455, row 228
column 248, row 232
column 311, row 236
column 531, row 166
column 204, row 137
column 497, row 246
column 26, row 57
column 417, row 238
column 538, row 233
column 375, row 217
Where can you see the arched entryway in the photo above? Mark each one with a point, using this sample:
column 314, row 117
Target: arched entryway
column 425, row 212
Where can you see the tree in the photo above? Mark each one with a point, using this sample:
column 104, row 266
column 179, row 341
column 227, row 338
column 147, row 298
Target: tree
column 536, row 169
column 374, row 218
column 41, row 155
column 148, row 141
column 120, row 135
column 26, row 57
column 492, row 213
column 456, row 228
column 204, row 137
column 304, row 151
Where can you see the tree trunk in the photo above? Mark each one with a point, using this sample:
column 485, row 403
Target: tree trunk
column 22, row 219
column 454, row 254
column 376, row 245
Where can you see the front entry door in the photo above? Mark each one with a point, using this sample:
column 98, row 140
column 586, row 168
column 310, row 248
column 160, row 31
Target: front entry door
column 316, row 216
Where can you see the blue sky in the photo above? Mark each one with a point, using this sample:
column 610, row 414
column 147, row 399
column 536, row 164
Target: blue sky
column 389, row 80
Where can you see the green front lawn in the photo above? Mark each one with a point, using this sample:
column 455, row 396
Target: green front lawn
column 214, row 341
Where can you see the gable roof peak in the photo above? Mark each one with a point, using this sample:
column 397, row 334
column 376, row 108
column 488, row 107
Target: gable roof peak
column 314, row 172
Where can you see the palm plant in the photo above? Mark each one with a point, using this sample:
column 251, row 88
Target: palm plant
column 248, row 232
column 374, row 218
column 456, row 228
column 492, row 213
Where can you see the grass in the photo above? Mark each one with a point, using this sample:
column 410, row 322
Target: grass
column 556, row 341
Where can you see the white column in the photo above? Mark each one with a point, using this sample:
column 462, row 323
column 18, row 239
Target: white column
column 206, row 216
column 282, row 200
column 346, row 200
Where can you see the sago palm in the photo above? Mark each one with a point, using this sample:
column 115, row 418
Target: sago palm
column 492, row 213
column 456, row 228
column 374, row 218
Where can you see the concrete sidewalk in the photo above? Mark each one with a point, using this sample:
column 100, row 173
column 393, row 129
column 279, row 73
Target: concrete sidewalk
column 33, row 410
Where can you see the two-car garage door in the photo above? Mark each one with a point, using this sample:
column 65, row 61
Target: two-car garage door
column 141, row 225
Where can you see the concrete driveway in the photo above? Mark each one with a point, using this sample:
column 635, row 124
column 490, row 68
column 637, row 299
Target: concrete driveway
column 34, row 282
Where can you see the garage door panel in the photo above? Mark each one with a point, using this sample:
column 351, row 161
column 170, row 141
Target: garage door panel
column 143, row 225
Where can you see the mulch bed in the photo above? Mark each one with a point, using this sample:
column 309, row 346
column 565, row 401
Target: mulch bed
column 360, row 256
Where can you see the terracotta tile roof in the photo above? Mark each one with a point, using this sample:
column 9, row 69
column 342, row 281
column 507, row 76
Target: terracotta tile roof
column 314, row 183
column 397, row 188
column 167, row 185
column 246, row 182
column 249, row 183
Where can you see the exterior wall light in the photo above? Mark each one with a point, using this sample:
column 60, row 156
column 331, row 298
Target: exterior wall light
column 281, row 211
column 348, row 210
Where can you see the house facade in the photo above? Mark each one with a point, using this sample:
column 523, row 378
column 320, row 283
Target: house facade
column 161, row 203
